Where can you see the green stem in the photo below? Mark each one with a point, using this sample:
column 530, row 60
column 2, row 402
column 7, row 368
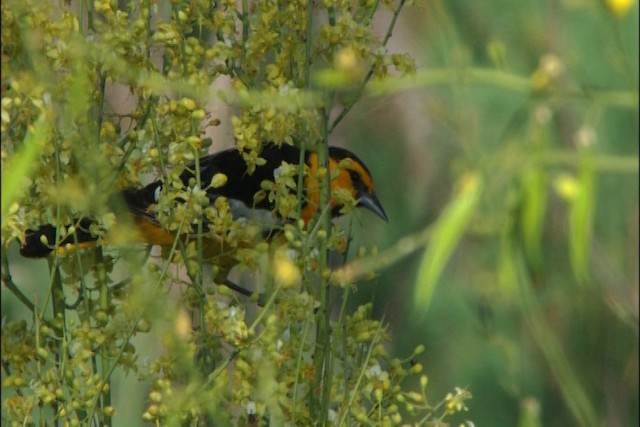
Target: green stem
column 133, row 328
column 199, row 276
column 568, row 382
column 502, row 80
column 363, row 370
column 303, row 339
column 132, row 145
column 323, row 351
column 362, row 86
column 105, row 368
column 404, row 247
column 100, row 112
column 7, row 281
column 342, row 323
column 90, row 13
column 600, row 162
column 165, row 177
column 309, row 38
column 222, row 367
column 245, row 26
column 200, row 225
column 301, row 177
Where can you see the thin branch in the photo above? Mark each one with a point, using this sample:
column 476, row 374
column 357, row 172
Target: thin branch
column 7, row 281
column 360, row 89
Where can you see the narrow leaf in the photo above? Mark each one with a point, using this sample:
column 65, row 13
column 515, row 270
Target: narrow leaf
column 581, row 219
column 446, row 234
column 534, row 206
column 22, row 164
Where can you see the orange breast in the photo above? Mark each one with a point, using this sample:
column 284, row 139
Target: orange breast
column 313, row 187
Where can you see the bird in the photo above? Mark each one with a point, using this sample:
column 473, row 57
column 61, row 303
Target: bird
column 239, row 189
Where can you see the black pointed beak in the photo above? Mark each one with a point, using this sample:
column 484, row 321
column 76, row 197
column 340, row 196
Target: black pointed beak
column 371, row 202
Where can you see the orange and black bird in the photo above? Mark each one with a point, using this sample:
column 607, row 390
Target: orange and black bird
column 239, row 190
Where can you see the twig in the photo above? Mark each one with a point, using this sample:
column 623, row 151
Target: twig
column 7, row 281
column 358, row 268
column 360, row 89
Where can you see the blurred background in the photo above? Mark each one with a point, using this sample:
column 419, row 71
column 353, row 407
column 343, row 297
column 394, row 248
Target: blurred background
column 557, row 343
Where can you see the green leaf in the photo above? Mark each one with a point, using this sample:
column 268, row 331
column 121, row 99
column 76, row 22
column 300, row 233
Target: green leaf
column 551, row 347
column 447, row 232
column 581, row 216
column 507, row 273
column 22, row 164
column 534, row 206
column 332, row 79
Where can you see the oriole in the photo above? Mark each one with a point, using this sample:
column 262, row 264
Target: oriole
column 348, row 172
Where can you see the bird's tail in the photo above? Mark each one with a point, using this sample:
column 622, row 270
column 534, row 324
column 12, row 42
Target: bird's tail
column 40, row 243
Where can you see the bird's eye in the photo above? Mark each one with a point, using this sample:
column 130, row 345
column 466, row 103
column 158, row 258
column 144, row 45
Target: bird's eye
column 356, row 180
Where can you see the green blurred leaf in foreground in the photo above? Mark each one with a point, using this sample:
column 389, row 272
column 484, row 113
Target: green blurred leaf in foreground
column 23, row 163
column 446, row 234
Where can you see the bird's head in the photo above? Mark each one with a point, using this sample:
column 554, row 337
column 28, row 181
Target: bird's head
column 349, row 173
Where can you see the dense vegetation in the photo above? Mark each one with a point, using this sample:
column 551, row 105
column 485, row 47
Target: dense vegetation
column 503, row 141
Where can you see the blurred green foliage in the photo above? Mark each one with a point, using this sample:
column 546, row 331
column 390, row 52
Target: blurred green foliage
column 103, row 95
column 537, row 309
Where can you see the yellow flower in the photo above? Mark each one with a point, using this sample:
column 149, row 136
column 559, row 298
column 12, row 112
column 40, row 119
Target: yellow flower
column 218, row 180
column 286, row 272
column 567, row 186
column 182, row 325
column 619, row 8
